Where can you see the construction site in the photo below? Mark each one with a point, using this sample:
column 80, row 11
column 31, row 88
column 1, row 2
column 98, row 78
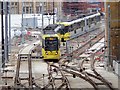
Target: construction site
column 88, row 59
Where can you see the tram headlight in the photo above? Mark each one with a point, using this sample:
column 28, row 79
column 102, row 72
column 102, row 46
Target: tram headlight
column 46, row 53
column 56, row 53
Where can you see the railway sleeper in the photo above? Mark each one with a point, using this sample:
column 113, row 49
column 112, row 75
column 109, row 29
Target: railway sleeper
column 25, row 78
column 99, row 83
column 58, row 78
column 5, row 87
column 7, row 77
column 7, row 70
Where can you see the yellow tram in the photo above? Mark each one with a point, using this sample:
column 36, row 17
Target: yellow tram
column 78, row 26
column 50, row 45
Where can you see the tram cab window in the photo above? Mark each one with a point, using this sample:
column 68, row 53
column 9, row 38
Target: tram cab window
column 51, row 44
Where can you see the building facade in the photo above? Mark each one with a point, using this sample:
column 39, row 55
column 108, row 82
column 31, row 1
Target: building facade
column 27, row 7
column 76, row 8
column 31, row 7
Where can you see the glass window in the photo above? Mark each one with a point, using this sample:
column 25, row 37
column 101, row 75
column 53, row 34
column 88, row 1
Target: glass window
column 30, row 9
column 66, row 29
column 37, row 9
column 15, row 3
column 51, row 43
column 27, row 9
column 23, row 9
column 12, row 3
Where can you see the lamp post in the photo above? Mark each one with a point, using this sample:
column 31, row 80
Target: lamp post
column 71, row 51
column 22, row 25
column 2, row 36
column 42, row 15
column 109, row 51
column 53, row 12
column 6, row 31
column 9, row 27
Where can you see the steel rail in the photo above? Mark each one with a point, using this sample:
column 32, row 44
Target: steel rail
column 82, row 49
column 107, row 83
column 52, row 79
column 98, row 76
column 17, row 81
column 86, row 78
column 66, row 81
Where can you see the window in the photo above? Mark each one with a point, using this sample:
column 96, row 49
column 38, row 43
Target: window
column 15, row 3
column 23, row 9
column 37, row 9
column 12, row 3
column 27, row 9
column 51, row 43
column 30, row 9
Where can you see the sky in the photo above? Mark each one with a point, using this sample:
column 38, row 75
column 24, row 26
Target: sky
column 16, row 20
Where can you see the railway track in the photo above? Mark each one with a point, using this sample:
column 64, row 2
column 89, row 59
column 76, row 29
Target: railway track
column 29, row 49
column 25, row 54
column 94, row 79
column 54, row 76
column 81, row 72
column 85, row 40
column 77, row 52
column 57, row 72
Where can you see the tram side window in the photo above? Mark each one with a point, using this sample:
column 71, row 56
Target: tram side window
column 75, row 31
column 94, row 19
column 79, row 24
column 82, row 23
column 61, row 31
column 98, row 18
column 82, row 29
column 66, row 29
column 90, row 21
column 71, row 28
column 87, row 21
column 76, row 26
column 43, row 43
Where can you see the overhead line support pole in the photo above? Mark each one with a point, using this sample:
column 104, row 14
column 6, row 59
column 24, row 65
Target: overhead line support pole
column 6, row 32
column 2, row 36
column 109, row 63
column 53, row 12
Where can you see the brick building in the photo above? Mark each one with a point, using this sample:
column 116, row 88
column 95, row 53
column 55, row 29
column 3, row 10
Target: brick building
column 74, row 7
column 78, row 8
